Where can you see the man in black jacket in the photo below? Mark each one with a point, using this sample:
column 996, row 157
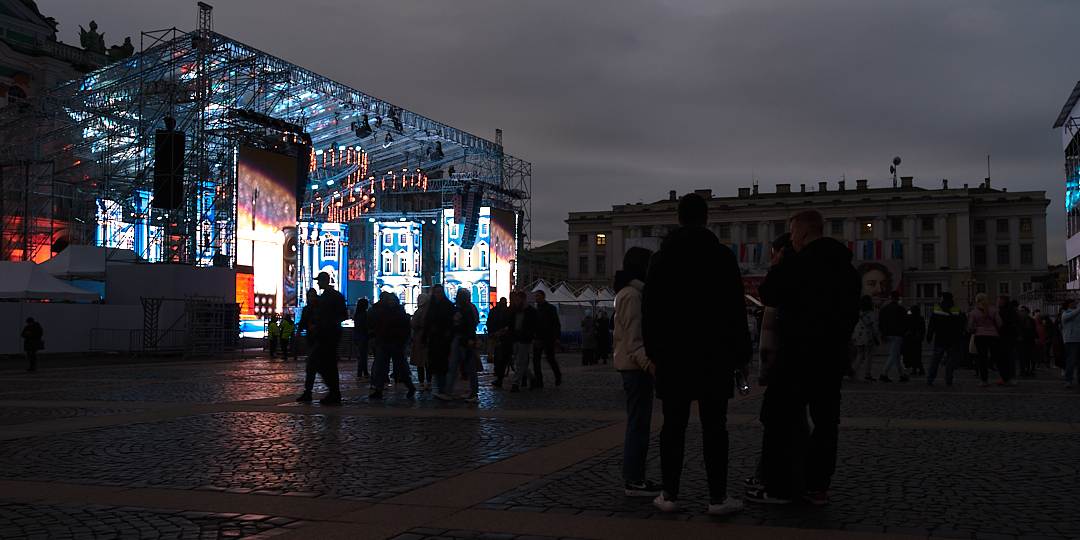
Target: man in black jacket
column 548, row 336
column 946, row 332
column 328, row 313
column 891, row 321
column 694, row 329
column 816, row 292
column 519, row 329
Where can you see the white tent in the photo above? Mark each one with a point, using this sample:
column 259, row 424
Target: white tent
column 562, row 294
column 25, row 280
column 87, row 262
column 540, row 285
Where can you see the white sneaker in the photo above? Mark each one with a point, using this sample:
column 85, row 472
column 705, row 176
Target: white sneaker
column 443, row 397
column 473, row 399
column 664, row 504
column 729, row 506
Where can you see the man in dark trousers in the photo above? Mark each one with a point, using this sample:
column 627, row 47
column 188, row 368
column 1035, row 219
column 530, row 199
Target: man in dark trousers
column 892, row 324
column 816, row 292
column 548, row 336
column 693, row 323
column 390, row 327
column 946, row 332
column 328, row 314
column 499, row 347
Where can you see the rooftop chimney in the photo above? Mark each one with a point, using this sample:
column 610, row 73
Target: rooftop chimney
column 783, row 188
column 987, row 184
column 944, row 183
column 802, row 188
column 842, row 187
column 755, row 189
column 705, row 193
column 671, row 196
column 907, row 181
column 822, row 186
column 860, row 185
column 744, row 192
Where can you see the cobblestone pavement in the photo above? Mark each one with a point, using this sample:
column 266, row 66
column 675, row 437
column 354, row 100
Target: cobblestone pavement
column 33, row 520
column 173, row 441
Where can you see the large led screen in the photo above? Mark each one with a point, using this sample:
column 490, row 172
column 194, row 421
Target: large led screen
column 468, row 268
column 266, row 227
column 323, row 248
column 398, row 244
column 503, row 253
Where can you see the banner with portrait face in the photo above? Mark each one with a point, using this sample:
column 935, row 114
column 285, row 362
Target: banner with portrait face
column 879, row 277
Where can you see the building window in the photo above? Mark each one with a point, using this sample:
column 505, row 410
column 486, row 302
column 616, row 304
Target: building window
column 388, row 239
column 1027, row 286
column 980, row 287
column 837, row 226
column 1026, row 253
column 980, row 254
column 453, row 258
column 403, row 263
column 468, row 259
column 980, row 226
column 601, row 265
column 1003, row 225
column 900, row 251
column 601, row 239
column 403, row 239
column 583, row 240
column 751, row 229
column 725, row 231
column 928, row 253
column 1025, row 224
column 897, row 224
column 484, row 230
column 1003, row 254
column 867, row 226
column 583, row 265
column 779, row 228
column 329, row 248
column 16, row 94
column 646, row 232
column 483, row 259
column 1004, row 287
column 388, row 264
column 928, row 224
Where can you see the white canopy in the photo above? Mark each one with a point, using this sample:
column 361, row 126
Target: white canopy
column 87, row 262
column 25, row 280
column 562, row 294
column 540, row 285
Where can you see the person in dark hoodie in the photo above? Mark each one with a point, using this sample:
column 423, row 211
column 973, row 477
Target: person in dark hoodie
column 817, row 291
column 390, row 326
column 694, row 329
column 946, row 332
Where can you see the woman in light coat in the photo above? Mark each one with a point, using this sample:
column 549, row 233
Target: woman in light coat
column 984, row 323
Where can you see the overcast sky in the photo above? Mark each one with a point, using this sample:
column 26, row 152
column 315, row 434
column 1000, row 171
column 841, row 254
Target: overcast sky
column 619, row 101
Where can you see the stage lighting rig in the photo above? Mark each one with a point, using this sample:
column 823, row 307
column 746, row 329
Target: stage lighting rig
column 397, row 121
column 266, row 121
column 363, row 128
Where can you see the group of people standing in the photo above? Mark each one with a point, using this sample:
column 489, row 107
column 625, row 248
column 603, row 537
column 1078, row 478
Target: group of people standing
column 595, row 338
column 680, row 328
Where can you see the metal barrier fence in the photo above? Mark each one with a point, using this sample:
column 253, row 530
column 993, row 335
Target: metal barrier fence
column 124, row 340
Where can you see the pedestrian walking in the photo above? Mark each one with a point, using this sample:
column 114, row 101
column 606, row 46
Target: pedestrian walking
column 418, row 355
column 1057, row 347
column 1070, row 334
column 866, row 336
column 360, row 339
column 984, row 323
column 914, row 331
column 548, row 337
column 1012, row 344
column 946, row 332
column 519, row 328
column 329, row 313
column 1041, row 340
column 588, row 339
column 273, row 332
column 636, row 370
column 306, row 327
column 464, row 321
column 694, row 329
column 32, row 342
column 817, row 294
column 891, row 320
column 603, row 336
column 1029, row 335
column 438, row 323
column 500, row 346
column 390, row 326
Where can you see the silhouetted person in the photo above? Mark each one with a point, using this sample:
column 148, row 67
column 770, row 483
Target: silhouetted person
column 329, row 312
column 548, row 336
column 32, row 343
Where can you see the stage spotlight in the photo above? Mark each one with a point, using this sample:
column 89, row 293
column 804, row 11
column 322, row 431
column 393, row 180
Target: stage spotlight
column 363, row 129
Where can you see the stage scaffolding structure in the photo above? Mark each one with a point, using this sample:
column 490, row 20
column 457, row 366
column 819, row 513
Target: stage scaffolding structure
column 77, row 162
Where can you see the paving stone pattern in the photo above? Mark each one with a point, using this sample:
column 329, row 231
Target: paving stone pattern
column 43, row 520
column 312, row 455
column 424, row 533
column 940, row 483
column 10, row 416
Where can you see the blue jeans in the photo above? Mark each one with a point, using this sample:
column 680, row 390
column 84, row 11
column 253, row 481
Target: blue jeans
column 1072, row 353
column 1018, row 357
column 522, row 374
column 952, row 356
column 361, row 342
column 639, row 395
column 896, row 343
column 385, row 352
column 461, row 356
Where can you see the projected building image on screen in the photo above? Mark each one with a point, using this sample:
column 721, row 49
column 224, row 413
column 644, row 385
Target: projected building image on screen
column 485, row 268
column 266, row 229
column 398, row 245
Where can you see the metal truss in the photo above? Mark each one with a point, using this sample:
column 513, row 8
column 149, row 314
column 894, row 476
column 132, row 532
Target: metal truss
column 86, row 147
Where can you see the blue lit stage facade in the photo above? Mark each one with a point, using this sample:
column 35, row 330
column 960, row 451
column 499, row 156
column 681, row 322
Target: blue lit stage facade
column 276, row 162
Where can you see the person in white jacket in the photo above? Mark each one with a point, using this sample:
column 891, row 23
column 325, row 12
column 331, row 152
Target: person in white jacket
column 637, row 372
